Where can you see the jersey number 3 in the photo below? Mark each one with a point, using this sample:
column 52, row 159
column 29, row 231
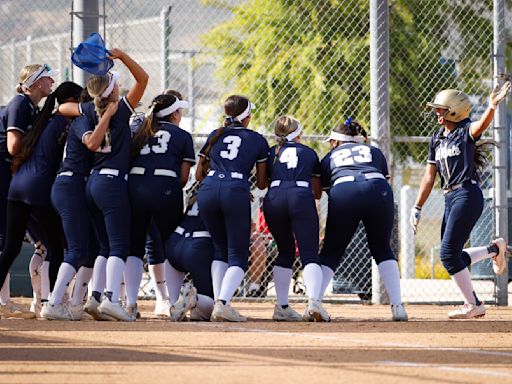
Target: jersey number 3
column 231, row 151
column 350, row 156
column 163, row 138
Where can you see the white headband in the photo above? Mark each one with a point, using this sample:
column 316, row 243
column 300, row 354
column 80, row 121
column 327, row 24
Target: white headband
column 44, row 71
column 346, row 138
column 295, row 133
column 114, row 76
column 172, row 108
column 245, row 113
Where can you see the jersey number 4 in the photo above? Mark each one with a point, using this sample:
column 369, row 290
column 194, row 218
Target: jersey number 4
column 231, row 151
column 350, row 156
column 289, row 156
column 163, row 138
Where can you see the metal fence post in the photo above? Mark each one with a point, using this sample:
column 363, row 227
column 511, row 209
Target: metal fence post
column 164, row 32
column 379, row 103
column 191, row 89
column 85, row 21
column 500, row 135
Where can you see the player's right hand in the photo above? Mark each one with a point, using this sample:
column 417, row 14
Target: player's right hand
column 415, row 217
column 116, row 53
column 499, row 94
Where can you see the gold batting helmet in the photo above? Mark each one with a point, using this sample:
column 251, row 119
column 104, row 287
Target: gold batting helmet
column 455, row 102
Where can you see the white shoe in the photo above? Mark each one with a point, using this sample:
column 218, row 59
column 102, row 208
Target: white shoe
column 316, row 312
column 225, row 312
column 398, row 312
column 196, row 315
column 178, row 311
column 76, row 311
column 499, row 261
column 115, row 310
column 285, row 314
column 132, row 311
column 468, row 311
column 91, row 307
column 56, row 312
column 11, row 310
column 162, row 308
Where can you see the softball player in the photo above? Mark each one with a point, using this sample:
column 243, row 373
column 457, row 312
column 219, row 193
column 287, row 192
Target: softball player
column 29, row 193
column 227, row 159
column 107, row 186
column 356, row 175
column 82, row 246
column 163, row 155
column 290, row 212
column 190, row 249
column 15, row 120
column 452, row 154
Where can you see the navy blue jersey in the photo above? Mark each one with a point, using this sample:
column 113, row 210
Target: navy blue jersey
column 77, row 157
column 88, row 109
column 191, row 221
column 115, row 150
column 32, row 183
column 295, row 162
column 236, row 150
column 453, row 154
column 167, row 149
column 352, row 159
column 18, row 115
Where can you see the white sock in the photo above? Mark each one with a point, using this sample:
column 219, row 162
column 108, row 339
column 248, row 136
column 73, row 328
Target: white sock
column 327, row 274
column 313, row 279
column 99, row 274
column 157, row 274
column 45, row 280
column 218, row 269
column 390, row 275
column 132, row 278
column 34, row 268
column 282, row 280
column 5, row 292
column 478, row 253
column 232, row 280
column 115, row 270
column 65, row 275
column 463, row 281
column 83, row 276
column 204, row 306
column 167, row 269
column 174, row 284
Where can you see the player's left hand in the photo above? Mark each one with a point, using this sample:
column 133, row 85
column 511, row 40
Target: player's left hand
column 116, row 53
column 499, row 94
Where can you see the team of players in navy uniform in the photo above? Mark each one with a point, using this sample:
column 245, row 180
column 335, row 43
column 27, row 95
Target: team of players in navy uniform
column 115, row 183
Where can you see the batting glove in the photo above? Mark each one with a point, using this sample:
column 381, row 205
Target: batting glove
column 415, row 217
column 499, row 94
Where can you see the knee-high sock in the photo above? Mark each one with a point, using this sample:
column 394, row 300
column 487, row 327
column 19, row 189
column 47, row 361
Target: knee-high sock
column 313, row 279
column 463, row 281
column 45, row 280
column 157, row 272
column 174, row 284
column 65, row 275
column 115, row 270
column 232, row 280
column 204, row 306
column 132, row 278
column 327, row 274
column 99, row 274
column 282, row 280
column 83, row 276
column 390, row 275
column 5, row 292
column 218, row 269
column 478, row 253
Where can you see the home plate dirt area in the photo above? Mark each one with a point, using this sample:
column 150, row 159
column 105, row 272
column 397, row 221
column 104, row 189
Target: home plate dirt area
column 360, row 345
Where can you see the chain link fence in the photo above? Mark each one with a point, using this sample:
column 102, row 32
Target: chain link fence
column 310, row 59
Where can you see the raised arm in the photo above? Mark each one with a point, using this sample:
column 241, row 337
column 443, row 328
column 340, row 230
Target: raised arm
column 496, row 97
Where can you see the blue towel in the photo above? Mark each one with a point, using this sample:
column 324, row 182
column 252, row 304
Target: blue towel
column 92, row 56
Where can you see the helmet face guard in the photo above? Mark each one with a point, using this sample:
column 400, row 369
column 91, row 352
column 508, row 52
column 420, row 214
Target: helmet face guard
column 455, row 102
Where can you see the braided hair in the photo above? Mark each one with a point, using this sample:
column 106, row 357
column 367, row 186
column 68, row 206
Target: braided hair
column 283, row 127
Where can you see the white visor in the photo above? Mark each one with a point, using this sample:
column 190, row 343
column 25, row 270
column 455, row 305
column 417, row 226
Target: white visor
column 345, row 138
column 295, row 133
column 114, row 76
column 245, row 113
column 44, row 71
column 172, row 108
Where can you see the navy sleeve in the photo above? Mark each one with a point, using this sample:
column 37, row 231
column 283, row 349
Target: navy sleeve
column 203, row 149
column 431, row 151
column 81, row 127
column 317, row 170
column 264, row 150
column 382, row 163
column 19, row 115
column 325, row 171
column 189, row 155
column 125, row 110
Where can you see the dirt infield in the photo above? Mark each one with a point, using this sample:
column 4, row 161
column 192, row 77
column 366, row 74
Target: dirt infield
column 361, row 345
